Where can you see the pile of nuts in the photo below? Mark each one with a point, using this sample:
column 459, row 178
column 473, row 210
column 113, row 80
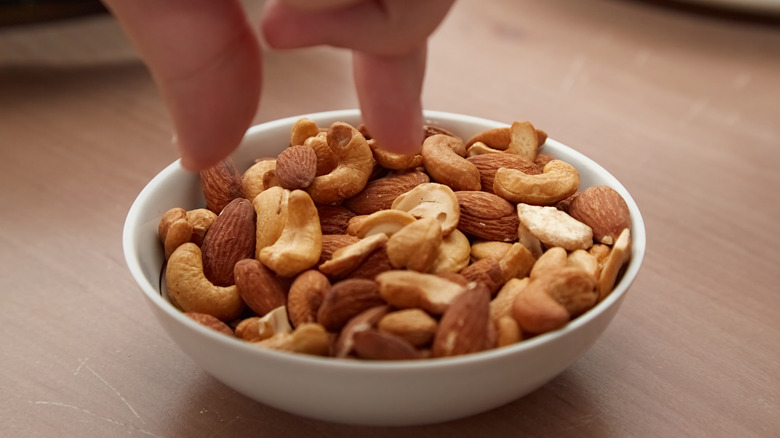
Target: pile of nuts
column 339, row 248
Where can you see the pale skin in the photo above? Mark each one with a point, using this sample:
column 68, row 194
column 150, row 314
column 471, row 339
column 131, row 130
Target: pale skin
column 206, row 61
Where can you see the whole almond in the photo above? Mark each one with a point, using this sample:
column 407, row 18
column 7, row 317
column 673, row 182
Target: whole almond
column 296, row 167
column 488, row 165
column 372, row 344
column 346, row 299
column 379, row 194
column 221, row 184
column 229, row 239
column 604, row 210
column 305, row 296
column 258, row 286
column 463, row 328
column 487, row 216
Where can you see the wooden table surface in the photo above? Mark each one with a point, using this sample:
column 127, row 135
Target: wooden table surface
column 683, row 107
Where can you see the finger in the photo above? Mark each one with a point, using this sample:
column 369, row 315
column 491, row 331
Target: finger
column 386, row 28
column 205, row 59
column 389, row 90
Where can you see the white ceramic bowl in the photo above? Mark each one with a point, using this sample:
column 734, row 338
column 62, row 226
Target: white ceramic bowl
column 358, row 392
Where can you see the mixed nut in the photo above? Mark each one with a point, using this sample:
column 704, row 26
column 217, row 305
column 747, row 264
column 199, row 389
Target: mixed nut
column 339, row 248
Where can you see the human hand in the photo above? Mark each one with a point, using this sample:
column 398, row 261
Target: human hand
column 206, row 61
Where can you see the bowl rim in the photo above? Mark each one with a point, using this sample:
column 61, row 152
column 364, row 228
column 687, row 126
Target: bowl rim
column 154, row 296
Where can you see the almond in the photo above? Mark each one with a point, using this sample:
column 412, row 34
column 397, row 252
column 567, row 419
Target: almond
column 603, row 210
column 305, row 296
column 487, row 216
column 372, row 344
column 348, row 258
column 221, row 184
column 379, row 194
column 231, row 238
column 376, row 263
column 334, row 218
column 463, row 328
column 347, row 299
column 486, row 271
column 296, row 167
column 258, row 286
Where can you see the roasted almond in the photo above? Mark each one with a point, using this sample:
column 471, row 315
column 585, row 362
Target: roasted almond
column 296, row 167
column 258, row 286
column 347, row 299
column 231, row 238
column 221, row 184
column 372, row 344
column 488, row 165
column 463, row 328
column 334, row 218
column 603, row 210
column 487, row 216
column 305, row 296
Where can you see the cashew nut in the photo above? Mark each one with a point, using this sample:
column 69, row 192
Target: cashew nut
column 300, row 244
column 554, row 227
column 558, row 181
column 174, row 229
column 382, row 222
column 326, row 159
column 454, row 254
column 416, row 245
column 409, row 289
column 394, row 161
column 201, row 220
column 308, row 338
column 189, row 288
column 348, row 258
column 446, row 166
column 620, row 254
column 258, row 178
column 431, row 200
column 302, row 129
column 523, row 140
column 356, row 162
column 271, row 208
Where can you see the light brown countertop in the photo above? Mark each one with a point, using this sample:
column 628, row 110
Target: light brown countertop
column 683, row 108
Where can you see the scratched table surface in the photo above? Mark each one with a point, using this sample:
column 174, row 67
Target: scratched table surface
column 681, row 105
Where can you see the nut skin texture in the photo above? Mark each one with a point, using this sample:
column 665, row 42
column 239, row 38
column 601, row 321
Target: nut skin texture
column 463, row 328
column 446, row 166
column 347, row 299
column 558, row 181
column 603, row 210
column 221, row 184
column 379, row 194
column 356, row 163
column 296, row 167
column 259, row 288
column 211, row 322
column 189, row 288
column 487, row 216
column 334, row 218
column 372, row 344
column 305, row 296
column 486, row 271
column 230, row 239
